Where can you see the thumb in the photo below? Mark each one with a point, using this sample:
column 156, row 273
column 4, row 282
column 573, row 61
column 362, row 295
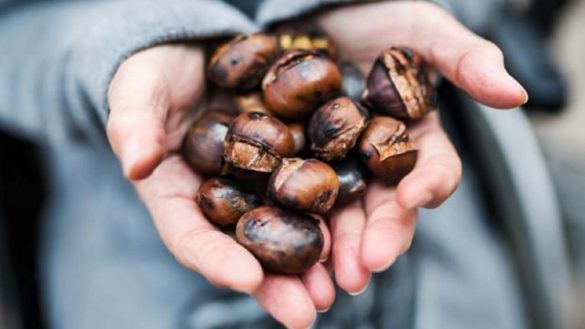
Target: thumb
column 139, row 103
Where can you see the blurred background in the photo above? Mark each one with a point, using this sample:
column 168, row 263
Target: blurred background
column 534, row 178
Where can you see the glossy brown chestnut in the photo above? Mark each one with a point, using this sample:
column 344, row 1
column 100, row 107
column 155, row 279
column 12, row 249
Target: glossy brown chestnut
column 386, row 150
column 203, row 145
column 304, row 185
column 257, row 142
column 298, row 133
column 250, row 102
column 224, row 201
column 398, row 85
column 242, row 62
column 352, row 180
column 282, row 240
column 335, row 128
column 298, row 82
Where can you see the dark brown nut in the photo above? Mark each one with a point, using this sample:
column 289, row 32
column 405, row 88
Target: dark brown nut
column 257, row 142
column 386, row 150
column 398, row 86
column 224, row 201
column 298, row 82
column 305, row 36
column 242, row 62
column 203, row 145
column 250, row 102
column 284, row 241
column 335, row 128
column 352, row 180
column 304, row 185
column 298, row 133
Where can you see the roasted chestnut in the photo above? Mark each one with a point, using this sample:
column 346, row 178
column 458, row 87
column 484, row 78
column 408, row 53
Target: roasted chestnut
column 398, row 85
column 298, row 82
column 352, row 180
column 305, row 185
column 257, row 142
column 386, row 150
column 335, row 127
column 250, row 102
column 283, row 241
column 305, row 36
column 242, row 62
column 203, row 145
column 298, row 133
column 224, row 201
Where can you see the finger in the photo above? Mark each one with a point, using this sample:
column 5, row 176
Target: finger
column 146, row 97
column 438, row 171
column 169, row 193
column 469, row 61
column 389, row 228
column 320, row 287
column 347, row 227
column 326, row 240
column 287, row 300
column 139, row 103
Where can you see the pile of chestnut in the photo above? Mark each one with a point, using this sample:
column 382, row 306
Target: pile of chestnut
column 295, row 142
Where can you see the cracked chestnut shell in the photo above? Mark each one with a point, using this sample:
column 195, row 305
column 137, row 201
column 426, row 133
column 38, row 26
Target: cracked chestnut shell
column 298, row 82
column 398, row 85
column 203, row 145
column 284, row 241
column 242, row 62
column 335, row 128
column 304, row 185
column 352, row 180
column 224, row 201
column 298, row 133
column 250, row 102
column 386, row 150
column 257, row 142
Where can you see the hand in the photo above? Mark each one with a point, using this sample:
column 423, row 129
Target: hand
column 369, row 235
column 151, row 100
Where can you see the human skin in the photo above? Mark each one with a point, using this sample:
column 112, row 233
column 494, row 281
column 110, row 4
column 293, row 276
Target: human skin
column 151, row 99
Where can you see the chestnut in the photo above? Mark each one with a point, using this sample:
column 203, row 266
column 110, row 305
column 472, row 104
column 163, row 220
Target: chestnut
column 224, row 201
column 298, row 133
column 298, row 82
column 335, row 128
column 352, row 180
column 284, row 241
column 242, row 62
column 250, row 102
column 305, row 36
column 386, row 150
column 257, row 142
column 398, row 85
column 304, row 185
column 203, row 145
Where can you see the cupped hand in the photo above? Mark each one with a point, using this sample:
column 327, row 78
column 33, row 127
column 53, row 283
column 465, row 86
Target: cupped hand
column 152, row 99
column 370, row 234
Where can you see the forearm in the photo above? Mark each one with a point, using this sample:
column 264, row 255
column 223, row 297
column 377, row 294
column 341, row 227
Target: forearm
column 57, row 59
column 273, row 11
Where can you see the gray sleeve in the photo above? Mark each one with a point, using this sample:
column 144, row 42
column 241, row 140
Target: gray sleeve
column 272, row 11
column 57, row 58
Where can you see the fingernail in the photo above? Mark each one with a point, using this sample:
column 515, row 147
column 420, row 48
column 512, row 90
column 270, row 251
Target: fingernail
column 384, row 267
column 324, row 259
column 357, row 293
column 130, row 154
column 526, row 97
column 324, row 311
